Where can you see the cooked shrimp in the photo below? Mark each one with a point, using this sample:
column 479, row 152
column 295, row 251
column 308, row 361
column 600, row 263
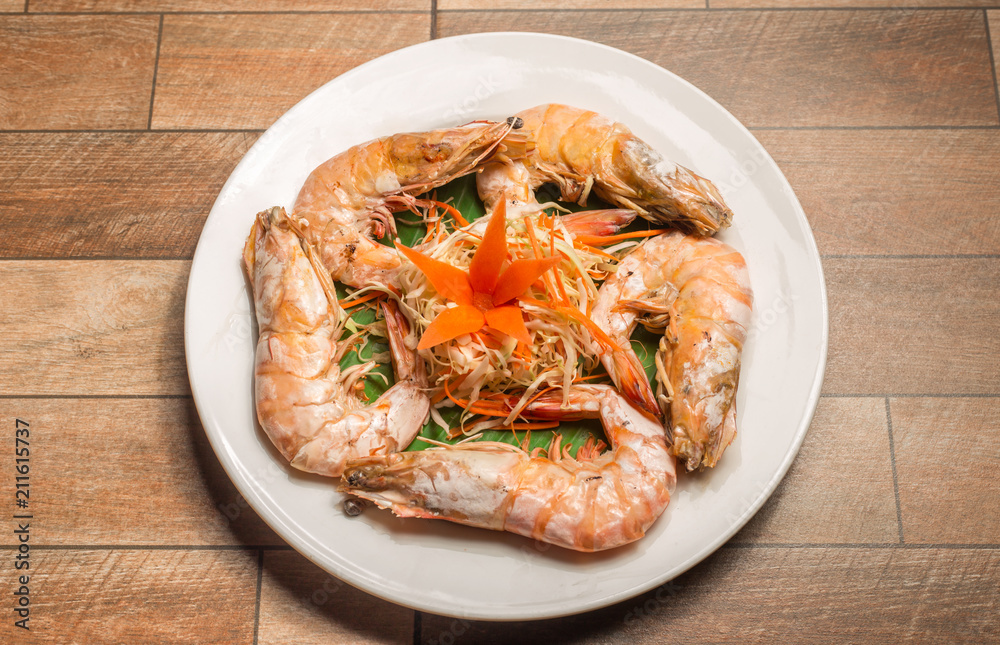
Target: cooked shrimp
column 586, row 505
column 350, row 198
column 582, row 151
column 305, row 403
column 698, row 289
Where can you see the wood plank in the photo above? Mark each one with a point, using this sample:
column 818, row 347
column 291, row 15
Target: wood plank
column 147, row 194
column 778, row 595
column 913, row 326
column 813, row 4
column 87, row 457
column 244, row 71
column 993, row 20
column 168, row 6
column 844, row 468
column 445, row 5
column 947, row 454
column 12, row 6
column 301, row 603
column 93, row 327
column 895, row 192
column 797, row 68
column 76, row 72
column 117, row 194
column 115, row 596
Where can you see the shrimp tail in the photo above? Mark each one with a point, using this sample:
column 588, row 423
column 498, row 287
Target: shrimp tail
column 598, row 223
column 630, row 377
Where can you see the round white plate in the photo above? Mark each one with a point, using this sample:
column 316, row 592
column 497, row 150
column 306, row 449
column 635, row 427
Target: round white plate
column 470, row 573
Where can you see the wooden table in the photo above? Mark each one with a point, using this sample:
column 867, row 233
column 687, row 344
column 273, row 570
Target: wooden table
column 120, row 121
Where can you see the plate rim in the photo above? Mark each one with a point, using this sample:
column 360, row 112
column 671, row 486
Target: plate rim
column 244, row 486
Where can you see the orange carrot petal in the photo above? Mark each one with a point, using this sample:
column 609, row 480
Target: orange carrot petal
column 450, row 282
column 509, row 321
column 519, row 276
column 486, row 262
column 451, row 323
column 604, row 240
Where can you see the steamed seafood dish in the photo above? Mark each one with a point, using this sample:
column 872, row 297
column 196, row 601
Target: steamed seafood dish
column 518, row 321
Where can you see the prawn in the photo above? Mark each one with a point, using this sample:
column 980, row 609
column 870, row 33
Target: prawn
column 696, row 290
column 350, row 198
column 582, row 504
column 305, row 403
column 583, row 152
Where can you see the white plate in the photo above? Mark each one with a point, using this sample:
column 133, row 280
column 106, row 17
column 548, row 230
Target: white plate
column 459, row 571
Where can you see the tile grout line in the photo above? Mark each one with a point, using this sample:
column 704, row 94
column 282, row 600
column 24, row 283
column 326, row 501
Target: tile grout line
column 763, row 9
column 859, row 545
column 848, row 128
column 261, row 548
column 141, row 131
column 256, row 610
column 156, row 68
column 908, row 395
column 895, row 479
column 375, row 12
column 755, row 128
column 98, row 258
column 156, row 547
column 910, row 256
column 434, row 19
column 993, row 63
column 14, row 397
column 330, row 12
column 26, row 5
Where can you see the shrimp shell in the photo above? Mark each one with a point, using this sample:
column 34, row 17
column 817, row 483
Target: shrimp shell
column 304, row 402
column 350, row 198
column 585, row 505
column 700, row 288
column 582, row 152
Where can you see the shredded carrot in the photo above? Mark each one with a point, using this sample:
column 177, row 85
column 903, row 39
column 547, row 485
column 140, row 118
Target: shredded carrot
column 535, row 425
column 591, row 326
column 550, row 284
column 454, row 212
column 349, row 301
column 472, row 407
column 577, row 244
column 604, row 240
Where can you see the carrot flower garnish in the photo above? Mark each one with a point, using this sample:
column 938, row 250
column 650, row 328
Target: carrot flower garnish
column 483, row 296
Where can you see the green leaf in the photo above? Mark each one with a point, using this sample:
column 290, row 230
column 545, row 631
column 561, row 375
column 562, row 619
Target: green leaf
column 461, row 193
